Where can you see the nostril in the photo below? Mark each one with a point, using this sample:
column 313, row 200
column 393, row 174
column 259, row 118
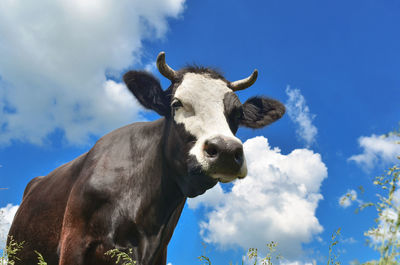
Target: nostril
column 210, row 149
column 238, row 155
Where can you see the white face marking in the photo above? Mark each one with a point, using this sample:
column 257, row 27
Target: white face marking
column 203, row 116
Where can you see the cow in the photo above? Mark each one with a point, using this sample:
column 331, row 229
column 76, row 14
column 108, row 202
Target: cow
column 129, row 189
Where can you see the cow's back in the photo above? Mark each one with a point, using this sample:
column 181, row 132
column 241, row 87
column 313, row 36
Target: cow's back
column 40, row 215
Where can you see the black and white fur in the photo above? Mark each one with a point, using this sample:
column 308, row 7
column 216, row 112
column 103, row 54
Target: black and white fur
column 128, row 191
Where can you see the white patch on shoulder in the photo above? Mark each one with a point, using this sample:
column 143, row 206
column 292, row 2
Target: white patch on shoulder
column 202, row 113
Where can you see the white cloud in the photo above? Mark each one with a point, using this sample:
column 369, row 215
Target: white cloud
column 300, row 114
column 151, row 67
column 275, row 202
column 349, row 240
column 6, row 217
column 296, row 263
column 377, row 149
column 53, row 64
column 347, row 199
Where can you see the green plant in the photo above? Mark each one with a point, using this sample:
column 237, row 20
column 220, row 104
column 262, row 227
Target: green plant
column 267, row 260
column 385, row 237
column 10, row 253
column 203, row 258
column 332, row 257
column 40, row 259
column 252, row 253
column 121, row 256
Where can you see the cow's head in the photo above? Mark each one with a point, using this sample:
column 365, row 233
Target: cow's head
column 202, row 115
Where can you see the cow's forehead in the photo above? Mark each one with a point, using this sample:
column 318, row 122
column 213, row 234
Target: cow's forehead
column 201, row 89
column 203, row 100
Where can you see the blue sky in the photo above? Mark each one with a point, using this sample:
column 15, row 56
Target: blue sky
column 334, row 64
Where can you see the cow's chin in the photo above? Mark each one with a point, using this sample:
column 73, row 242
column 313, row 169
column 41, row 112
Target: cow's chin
column 196, row 183
column 226, row 175
column 199, row 180
column 226, row 178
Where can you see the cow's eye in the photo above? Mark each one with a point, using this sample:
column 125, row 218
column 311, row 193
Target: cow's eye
column 176, row 104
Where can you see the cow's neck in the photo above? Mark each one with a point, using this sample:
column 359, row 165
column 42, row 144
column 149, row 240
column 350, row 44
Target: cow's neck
column 162, row 188
column 162, row 201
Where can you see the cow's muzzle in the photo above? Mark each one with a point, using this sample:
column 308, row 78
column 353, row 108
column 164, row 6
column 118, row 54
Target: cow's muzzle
column 225, row 158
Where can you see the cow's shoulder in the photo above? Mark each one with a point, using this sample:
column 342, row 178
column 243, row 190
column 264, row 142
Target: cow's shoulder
column 30, row 186
column 57, row 183
column 122, row 162
column 136, row 135
column 125, row 148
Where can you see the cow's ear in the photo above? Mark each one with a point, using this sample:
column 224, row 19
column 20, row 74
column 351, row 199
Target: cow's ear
column 259, row 112
column 147, row 90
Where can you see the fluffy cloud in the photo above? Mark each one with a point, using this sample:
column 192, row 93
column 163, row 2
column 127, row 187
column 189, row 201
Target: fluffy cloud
column 300, row 114
column 6, row 217
column 297, row 263
column 377, row 149
column 275, row 202
column 54, row 60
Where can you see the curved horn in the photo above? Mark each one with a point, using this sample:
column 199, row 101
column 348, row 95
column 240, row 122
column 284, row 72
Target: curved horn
column 244, row 83
column 164, row 69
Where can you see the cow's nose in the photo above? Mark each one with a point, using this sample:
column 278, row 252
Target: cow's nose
column 226, row 155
